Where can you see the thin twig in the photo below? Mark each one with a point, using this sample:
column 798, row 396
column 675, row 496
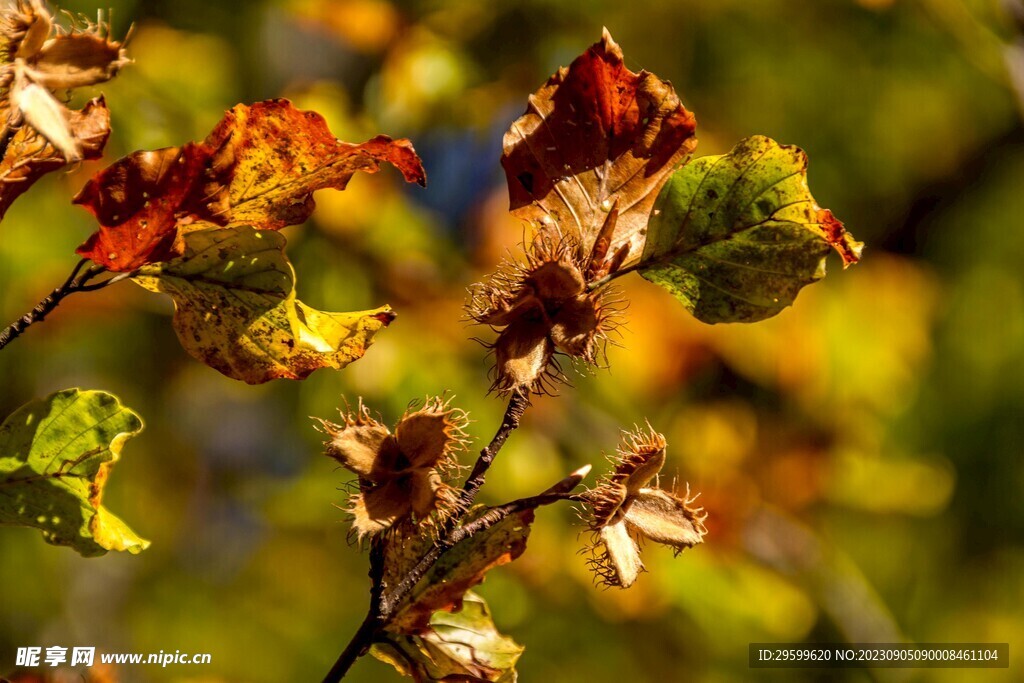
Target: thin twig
column 611, row 276
column 485, row 521
column 77, row 281
column 372, row 623
column 517, row 405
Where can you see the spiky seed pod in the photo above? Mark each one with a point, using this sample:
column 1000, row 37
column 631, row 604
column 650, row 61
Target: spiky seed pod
column 550, row 274
column 400, row 474
column 433, row 434
column 502, row 297
column 24, row 28
column 543, row 306
column 623, row 508
column 358, row 443
column 80, row 56
column 638, row 460
column 42, row 59
column 582, row 325
column 41, row 110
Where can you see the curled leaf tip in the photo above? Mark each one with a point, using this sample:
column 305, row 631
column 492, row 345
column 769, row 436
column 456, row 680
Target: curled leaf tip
column 385, row 317
column 840, row 240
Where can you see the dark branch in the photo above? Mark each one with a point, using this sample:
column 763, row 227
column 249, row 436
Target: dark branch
column 78, row 281
column 372, row 623
column 517, row 405
column 460, row 534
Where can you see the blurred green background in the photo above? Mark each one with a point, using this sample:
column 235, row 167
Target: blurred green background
column 860, row 455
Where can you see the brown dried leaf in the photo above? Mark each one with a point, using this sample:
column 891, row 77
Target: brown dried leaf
column 30, row 156
column 593, row 150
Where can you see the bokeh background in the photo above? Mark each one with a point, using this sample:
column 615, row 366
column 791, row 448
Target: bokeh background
column 860, row 455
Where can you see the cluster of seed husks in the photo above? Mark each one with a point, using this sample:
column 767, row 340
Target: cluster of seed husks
column 624, row 508
column 401, row 474
column 41, row 59
column 542, row 306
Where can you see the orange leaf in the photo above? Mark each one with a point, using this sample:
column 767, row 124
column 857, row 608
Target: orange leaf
column 259, row 167
column 593, row 150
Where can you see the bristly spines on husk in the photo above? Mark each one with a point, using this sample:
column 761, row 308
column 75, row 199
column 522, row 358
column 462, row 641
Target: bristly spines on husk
column 624, row 509
column 41, row 58
column 544, row 307
column 402, row 475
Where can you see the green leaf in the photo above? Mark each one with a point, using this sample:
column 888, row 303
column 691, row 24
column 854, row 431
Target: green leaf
column 460, row 646
column 735, row 237
column 55, row 457
column 236, row 310
column 459, row 569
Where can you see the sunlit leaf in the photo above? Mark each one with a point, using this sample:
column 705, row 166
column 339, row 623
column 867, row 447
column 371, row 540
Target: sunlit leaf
column 236, row 310
column 458, row 646
column 459, row 569
column 597, row 138
column 735, row 237
column 55, row 457
column 259, row 167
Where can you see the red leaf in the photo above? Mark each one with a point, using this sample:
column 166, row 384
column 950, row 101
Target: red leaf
column 136, row 201
column 258, row 167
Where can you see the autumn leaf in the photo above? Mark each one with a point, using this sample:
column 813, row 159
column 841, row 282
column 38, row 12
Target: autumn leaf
column 143, row 194
column 30, row 156
column 458, row 646
column 595, row 146
column 457, row 570
column 236, row 309
column 259, row 167
column 735, row 237
column 55, row 457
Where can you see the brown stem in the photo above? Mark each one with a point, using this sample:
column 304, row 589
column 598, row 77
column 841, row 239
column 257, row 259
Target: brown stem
column 458, row 535
column 611, row 276
column 372, row 623
column 77, row 281
column 517, row 405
